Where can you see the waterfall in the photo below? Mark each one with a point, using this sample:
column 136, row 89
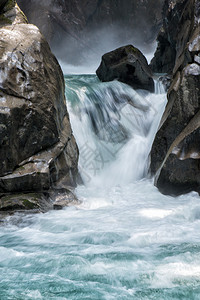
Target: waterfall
column 114, row 126
column 159, row 87
column 125, row 240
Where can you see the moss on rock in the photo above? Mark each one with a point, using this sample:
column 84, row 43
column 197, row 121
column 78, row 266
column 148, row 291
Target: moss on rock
column 29, row 204
column 27, row 201
column 9, row 5
column 132, row 49
column 4, row 20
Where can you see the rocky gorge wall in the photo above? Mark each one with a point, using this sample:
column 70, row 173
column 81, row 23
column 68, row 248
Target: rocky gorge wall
column 175, row 156
column 38, row 152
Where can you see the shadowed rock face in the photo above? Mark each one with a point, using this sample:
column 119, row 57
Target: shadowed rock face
column 2, row 3
column 178, row 26
column 128, row 65
column 176, row 150
column 37, row 147
column 81, row 25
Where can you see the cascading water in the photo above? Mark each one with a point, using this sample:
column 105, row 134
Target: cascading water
column 114, row 127
column 126, row 240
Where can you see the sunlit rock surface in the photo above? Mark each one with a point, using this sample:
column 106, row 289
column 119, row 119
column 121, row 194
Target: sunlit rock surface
column 128, row 65
column 176, row 149
column 37, row 147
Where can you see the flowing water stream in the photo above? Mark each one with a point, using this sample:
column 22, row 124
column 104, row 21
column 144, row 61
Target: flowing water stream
column 126, row 240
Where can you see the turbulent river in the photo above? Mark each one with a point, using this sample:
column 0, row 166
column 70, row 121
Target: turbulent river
column 126, row 240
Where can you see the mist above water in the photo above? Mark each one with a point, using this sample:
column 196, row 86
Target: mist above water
column 78, row 57
column 80, row 32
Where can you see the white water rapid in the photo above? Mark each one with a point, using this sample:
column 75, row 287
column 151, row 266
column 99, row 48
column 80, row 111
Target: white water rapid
column 126, row 241
column 114, row 127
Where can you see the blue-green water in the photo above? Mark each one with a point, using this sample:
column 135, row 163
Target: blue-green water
column 125, row 241
column 121, row 243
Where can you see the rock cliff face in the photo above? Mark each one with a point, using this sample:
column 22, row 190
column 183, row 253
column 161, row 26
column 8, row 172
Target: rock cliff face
column 82, row 25
column 37, row 149
column 176, row 150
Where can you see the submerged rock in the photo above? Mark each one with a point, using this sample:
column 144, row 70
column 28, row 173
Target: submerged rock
column 37, row 147
column 34, row 202
column 128, row 65
column 64, row 198
column 176, row 150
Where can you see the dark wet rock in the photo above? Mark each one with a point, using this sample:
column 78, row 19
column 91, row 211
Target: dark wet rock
column 164, row 57
column 2, row 3
column 63, row 198
column 37, row 147
column 178, row 27
column 183, row 179
column 166, row 81
column 32, row 107
column 128, row 65
column 175, row 152
column 179, row 172
column 34, row 202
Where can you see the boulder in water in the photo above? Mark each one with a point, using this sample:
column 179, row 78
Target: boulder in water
column 128, row 65
column 37, row 147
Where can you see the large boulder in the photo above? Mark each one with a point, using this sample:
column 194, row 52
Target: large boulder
column 128, row 65
column 176, row 150
column 37, row 149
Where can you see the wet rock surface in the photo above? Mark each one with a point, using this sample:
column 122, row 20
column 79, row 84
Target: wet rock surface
column 178, row 27
column 128, row 65
column 176, row 149
column 37, row 147
column 64, row 198
column 34, row 202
